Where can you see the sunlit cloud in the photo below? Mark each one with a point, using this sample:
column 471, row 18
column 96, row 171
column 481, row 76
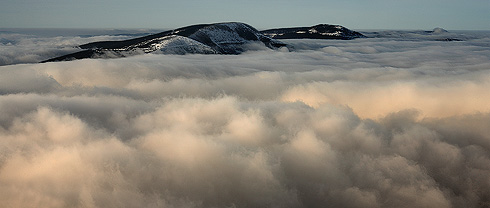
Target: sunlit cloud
column 364, row 123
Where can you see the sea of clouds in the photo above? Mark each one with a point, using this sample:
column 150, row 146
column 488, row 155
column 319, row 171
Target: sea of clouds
column 378, row 122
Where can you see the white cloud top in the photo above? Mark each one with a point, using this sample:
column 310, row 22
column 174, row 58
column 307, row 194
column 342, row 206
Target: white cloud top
column 363, row 123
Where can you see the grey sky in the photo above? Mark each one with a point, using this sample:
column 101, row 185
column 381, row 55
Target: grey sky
column 355, row 14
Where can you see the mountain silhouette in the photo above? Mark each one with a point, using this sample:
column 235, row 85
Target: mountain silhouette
column 321, row 31
column 218, row 38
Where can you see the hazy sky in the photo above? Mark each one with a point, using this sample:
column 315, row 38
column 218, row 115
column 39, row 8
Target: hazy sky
column 355, row 14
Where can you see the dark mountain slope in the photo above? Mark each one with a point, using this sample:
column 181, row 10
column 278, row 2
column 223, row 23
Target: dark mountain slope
column 219, row 38
column 321, row 31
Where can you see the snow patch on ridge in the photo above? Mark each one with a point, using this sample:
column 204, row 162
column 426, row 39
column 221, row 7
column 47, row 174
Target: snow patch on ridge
column 180, row 45
column 226, row 33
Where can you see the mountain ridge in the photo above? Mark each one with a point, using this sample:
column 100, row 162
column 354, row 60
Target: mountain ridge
column 215, row 38
column 320, row 31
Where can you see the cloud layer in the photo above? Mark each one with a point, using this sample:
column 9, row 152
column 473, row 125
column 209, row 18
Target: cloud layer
column 22, row 47
column 362, row 123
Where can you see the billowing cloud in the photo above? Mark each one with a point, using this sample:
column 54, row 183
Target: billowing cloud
column 362, row 123
column 18, row 47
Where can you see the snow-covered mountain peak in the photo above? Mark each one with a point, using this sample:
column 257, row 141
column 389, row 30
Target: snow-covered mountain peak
column 217, row 38
column 321, row 31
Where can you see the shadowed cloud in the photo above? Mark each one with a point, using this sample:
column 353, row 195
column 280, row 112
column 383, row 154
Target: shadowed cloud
column 365, row 123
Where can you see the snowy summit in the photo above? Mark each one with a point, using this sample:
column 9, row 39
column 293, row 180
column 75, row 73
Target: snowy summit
column 218, row 38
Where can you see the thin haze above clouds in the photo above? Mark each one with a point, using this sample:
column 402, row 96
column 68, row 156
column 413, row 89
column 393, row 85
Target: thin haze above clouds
column 355, row 14
column 377, row 122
